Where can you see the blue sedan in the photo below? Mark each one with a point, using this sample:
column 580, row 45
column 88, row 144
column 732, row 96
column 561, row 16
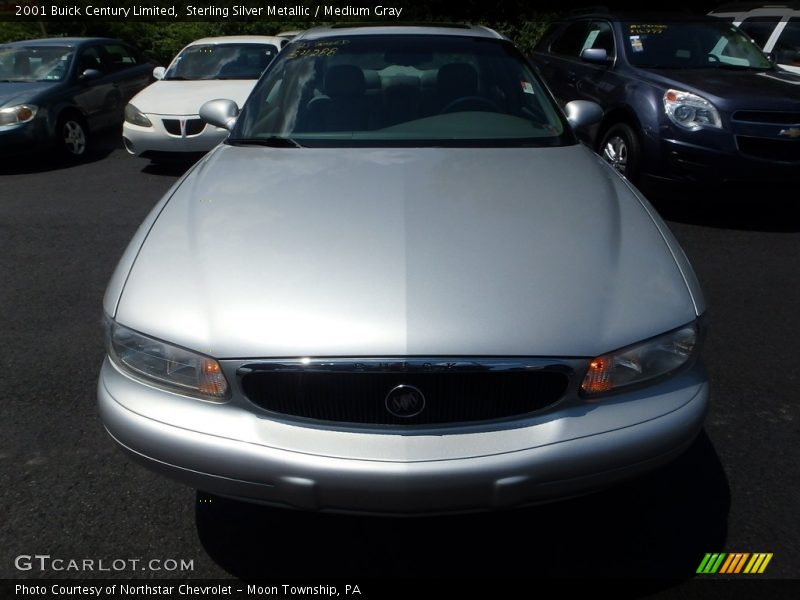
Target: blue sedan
column 58, row 92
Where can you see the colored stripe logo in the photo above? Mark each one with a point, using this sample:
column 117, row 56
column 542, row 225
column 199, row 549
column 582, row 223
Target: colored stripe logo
column 734, row 563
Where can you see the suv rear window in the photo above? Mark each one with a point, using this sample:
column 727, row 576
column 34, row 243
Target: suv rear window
column 787, row 48
column 759, row 28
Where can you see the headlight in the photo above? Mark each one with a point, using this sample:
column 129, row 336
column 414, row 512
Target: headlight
column 641, row 362
column 165, row 365
column 14, row 115
column 690, row 111
column 136, row 117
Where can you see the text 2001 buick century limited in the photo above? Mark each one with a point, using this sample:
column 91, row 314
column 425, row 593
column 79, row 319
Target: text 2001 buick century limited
column 402, row 286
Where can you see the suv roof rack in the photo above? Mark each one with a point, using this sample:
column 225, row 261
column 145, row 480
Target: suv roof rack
column 748, row 6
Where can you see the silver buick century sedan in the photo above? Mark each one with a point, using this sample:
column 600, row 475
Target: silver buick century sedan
column 402, row 286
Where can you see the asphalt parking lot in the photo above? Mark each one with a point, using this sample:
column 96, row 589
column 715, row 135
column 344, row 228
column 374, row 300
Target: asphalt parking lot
column 67, row 492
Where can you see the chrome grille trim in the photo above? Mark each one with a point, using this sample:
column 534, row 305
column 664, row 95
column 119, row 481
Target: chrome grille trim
column 413, row 364
column 462, row 392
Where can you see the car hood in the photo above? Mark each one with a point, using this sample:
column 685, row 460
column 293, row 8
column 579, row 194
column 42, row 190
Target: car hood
column 13, row 92
column 265, row 252
column 186, row 97
column 735, row 89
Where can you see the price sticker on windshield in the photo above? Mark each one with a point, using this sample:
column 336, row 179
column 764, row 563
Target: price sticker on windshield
column 321, row 48
column 646, row 28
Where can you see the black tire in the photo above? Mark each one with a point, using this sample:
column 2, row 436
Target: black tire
column 72, row 136
column 621, row 148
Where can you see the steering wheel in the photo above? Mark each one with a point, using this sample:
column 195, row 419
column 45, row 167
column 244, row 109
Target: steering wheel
column 478, row 102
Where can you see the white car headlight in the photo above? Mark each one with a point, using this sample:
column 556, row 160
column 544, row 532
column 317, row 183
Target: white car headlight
column 136, row 117
column 690, row 111
column 14, row 115
column 653, row 358
column 165, row 365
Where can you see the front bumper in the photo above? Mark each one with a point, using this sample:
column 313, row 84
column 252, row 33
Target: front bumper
column 684, row 161
column 25, row 138
column 227, row 450
column 155, row 140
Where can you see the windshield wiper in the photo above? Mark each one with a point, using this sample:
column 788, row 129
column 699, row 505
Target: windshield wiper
column 274, row 141
column 722, row 65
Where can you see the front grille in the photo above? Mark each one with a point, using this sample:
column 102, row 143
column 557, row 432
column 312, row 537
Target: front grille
column 193, row 126
column 173, row 126
column 767, row 149
column 776, row 117
column 360, row 397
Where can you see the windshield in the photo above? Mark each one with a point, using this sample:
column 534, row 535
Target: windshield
column 691, row 45
column 392, row 90
column 221, row 61
column 34, row 63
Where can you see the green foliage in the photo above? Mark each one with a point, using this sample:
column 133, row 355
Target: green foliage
column 525, row 34
column 10, row 32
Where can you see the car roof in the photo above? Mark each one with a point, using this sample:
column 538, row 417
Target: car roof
column 240, row 39
column 640, row 15
column 63, row 41
column 736, row 7
column 353, row 29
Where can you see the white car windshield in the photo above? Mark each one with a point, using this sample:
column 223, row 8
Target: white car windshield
column 221, row 61
column 395, row 90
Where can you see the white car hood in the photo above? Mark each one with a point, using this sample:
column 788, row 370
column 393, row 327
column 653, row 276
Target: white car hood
column 277, row 252
column 186, row 97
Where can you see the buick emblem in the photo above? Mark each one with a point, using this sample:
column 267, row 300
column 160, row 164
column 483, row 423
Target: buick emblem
column 405, row 401
column 792, row 132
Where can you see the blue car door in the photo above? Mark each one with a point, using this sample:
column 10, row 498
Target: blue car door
column 597, row 81
column 95, row 95
column 557, row 63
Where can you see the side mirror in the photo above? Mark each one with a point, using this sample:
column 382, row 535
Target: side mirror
column 159, row 72
column 221, row 113
column 596, row 56
column 90, row 74
column 581, row 113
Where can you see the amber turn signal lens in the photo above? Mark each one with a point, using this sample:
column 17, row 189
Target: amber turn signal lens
column 598, row 378
column 212, row 381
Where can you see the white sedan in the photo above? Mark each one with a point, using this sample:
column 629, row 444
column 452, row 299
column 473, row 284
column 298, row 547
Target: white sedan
column 163, row 120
